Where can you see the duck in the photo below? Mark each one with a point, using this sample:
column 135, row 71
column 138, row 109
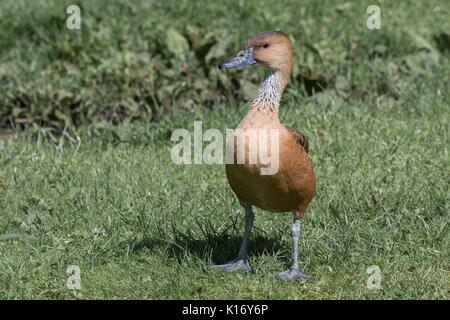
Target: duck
column 268, row 163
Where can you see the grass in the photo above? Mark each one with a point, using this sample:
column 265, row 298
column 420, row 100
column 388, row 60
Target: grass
column 106, row 196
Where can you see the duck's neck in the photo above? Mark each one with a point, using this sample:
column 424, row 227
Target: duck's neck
column 269, row 93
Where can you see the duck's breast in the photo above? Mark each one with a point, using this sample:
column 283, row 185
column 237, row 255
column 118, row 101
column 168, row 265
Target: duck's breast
column 272, row 175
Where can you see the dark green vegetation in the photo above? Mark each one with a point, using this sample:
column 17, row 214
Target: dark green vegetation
column 90, row 181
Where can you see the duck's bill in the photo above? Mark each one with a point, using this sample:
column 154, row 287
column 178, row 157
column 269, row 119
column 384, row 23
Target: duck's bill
column 243, row 58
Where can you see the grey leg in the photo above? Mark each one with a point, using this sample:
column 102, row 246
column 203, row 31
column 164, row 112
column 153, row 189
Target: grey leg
column 241, row 262
column 293, row 273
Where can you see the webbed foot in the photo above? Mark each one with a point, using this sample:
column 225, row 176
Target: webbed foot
column 293, row 274
column 234, row 265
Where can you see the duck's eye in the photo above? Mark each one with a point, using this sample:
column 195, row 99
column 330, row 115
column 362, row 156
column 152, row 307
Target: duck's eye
column 265, row 45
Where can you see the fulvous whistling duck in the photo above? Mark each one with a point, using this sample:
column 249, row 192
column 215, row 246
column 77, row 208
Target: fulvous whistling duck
column 292, row 186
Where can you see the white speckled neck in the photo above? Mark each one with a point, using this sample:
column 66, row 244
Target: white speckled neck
column 269, row 93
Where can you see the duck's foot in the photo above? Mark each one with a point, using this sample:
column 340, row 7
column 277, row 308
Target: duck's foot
column 234, row 265
column 293, row 274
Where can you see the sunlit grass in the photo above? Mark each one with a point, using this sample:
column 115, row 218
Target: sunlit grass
column 140, row 226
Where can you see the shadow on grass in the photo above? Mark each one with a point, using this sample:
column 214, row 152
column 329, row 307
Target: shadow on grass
column 219, row 249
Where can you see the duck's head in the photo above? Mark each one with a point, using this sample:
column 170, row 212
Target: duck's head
column 271, row 49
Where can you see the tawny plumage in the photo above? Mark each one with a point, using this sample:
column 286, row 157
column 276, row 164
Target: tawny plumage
column 291, row 186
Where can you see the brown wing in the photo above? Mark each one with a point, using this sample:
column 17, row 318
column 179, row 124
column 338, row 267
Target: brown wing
column 300, row 137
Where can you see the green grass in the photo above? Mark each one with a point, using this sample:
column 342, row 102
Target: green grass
column 106, row 196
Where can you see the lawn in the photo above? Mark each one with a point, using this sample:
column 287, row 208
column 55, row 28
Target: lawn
column 87, row 179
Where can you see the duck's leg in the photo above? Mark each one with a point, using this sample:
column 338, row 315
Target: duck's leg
column 241, row 262
column 293, row 273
